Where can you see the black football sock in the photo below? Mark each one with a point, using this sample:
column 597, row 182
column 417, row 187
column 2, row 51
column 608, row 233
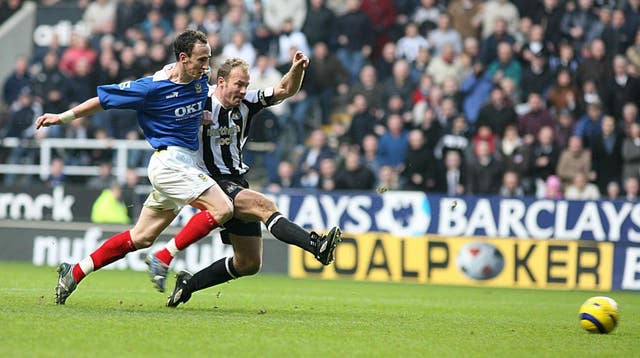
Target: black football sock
column 285, row 230
column 218, row 272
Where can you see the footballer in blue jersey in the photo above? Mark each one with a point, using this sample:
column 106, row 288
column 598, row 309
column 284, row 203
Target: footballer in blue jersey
column 169, row 113
column 170, row 106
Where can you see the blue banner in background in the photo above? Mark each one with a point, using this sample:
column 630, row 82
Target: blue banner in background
column 416, row 213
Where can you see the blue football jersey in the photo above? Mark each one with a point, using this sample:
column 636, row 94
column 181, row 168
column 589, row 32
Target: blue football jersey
column 168, row 113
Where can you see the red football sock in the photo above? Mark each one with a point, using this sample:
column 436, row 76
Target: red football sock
column 77, row 273
column 198, row 227
column 115, row 248
column 164, row 255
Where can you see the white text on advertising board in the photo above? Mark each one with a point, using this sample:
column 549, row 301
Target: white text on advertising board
column 415, row 214
column 50, row 250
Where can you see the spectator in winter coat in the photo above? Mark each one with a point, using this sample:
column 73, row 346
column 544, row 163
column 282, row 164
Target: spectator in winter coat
column 484, row 171
column 573, row 160
column 606, row 154
column 420, row 166
column 353, row 175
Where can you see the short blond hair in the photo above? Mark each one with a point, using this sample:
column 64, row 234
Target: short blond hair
column 228, row 65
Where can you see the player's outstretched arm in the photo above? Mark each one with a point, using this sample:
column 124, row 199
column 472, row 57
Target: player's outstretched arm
column 292, row 80
column 84, row 109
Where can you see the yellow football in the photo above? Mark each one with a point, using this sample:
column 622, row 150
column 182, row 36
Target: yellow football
column 599, row 314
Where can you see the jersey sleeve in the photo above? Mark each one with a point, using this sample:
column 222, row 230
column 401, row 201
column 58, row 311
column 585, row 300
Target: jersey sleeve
column 261, row 98
column 125, row 95
column 266, row 96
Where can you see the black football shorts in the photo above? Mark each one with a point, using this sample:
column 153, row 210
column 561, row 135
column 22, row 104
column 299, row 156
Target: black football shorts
column 232, row 185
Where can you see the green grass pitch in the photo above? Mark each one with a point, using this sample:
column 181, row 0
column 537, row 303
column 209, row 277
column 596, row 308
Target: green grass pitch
column 117, row 313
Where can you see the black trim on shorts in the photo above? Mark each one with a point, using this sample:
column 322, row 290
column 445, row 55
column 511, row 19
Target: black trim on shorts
column 240, row 228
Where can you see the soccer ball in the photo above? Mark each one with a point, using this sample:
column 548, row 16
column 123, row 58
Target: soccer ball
column 599, row 314
column 480, row 260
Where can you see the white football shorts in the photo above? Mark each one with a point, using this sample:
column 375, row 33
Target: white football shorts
column 176, row 179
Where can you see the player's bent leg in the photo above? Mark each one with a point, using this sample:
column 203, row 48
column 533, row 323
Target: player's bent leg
column 247, row 255
column 250, row 204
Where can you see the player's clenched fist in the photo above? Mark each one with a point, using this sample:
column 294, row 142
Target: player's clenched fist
column 300, row 59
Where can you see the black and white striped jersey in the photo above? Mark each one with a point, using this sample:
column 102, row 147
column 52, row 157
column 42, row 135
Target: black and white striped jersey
column 222, row 142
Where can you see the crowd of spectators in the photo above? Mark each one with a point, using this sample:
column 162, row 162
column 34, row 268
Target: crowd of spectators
column 496, row 97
